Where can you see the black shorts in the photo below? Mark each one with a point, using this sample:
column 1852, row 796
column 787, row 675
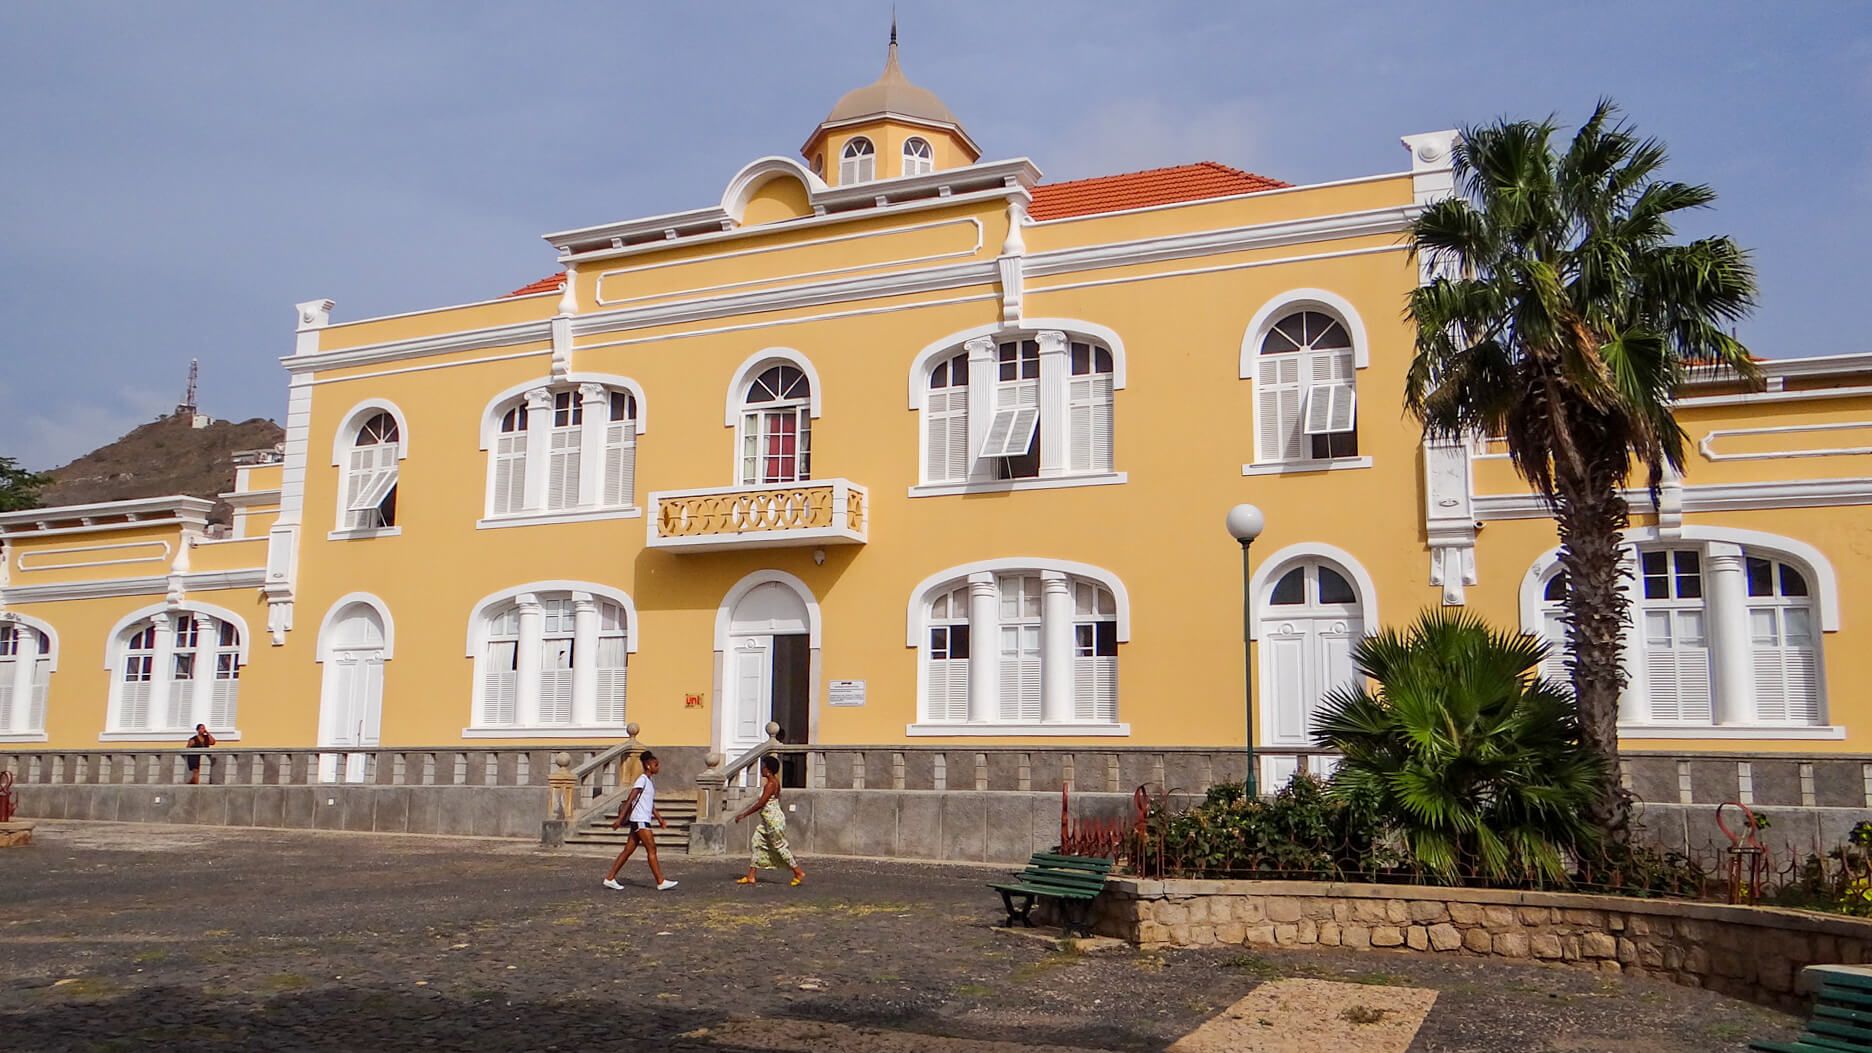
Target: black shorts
column 632, row 827
column 194, row 762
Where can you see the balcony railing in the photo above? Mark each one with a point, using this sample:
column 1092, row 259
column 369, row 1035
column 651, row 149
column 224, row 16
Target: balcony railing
column 821, row 512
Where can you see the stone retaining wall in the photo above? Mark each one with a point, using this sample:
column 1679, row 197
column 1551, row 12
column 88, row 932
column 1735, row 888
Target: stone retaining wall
column 474, row 811
column 1749, row 952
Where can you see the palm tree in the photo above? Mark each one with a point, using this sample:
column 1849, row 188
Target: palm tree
column 1564, row 322
column 1479, row 766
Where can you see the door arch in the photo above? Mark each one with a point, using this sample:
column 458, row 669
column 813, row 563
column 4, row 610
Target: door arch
column 767, row 640
column 354, row 643
column 1311, row 615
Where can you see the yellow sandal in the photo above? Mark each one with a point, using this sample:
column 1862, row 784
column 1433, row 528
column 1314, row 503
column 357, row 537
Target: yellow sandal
column 795, row 883
column 744, row 881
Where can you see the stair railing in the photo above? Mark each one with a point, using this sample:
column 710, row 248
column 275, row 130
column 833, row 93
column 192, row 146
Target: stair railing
column 604, row 775
column 716, row 787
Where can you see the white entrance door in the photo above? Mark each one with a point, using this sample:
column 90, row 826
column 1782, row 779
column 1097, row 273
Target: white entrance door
column 767, row 610
column 351, row 708
column 1310, row 621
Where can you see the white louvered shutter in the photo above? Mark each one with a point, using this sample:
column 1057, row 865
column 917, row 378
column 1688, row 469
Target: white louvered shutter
column 1553, row 631
column 510, row 473
column 620, row 470
column 6, row 695
column 612, row 680
column 1089, row 421
column 1095, row 689
column 1677, row 666
column 499, row 683
column 1286, row 646
column 947, row 457
column 1786, row 665
column 42, row 686
column 1020, row 673
column 1016, row 418
column 562, row 468
column 1278, row 397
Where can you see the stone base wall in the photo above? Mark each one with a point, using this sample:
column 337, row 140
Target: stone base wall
column 473, row 811
column 1749, row 952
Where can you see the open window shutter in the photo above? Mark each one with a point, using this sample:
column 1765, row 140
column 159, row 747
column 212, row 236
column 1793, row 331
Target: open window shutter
column 1330, row 408
column 1278, row 396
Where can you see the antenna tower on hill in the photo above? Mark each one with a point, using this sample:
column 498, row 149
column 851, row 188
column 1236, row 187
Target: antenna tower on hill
column 189, row 406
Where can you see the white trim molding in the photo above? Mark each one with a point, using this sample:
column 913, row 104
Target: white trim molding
column 202, row 581
column 118, row 632
column 1707, row 447
column 555, row 731
column 477, row 615
column 1074, row 730
column 1293, row 300
column 1003, row 486
column 1283, row 560
column 1327, row 464
column 952, row 344
column 491, row 412
column 323, row 650
column 1826, row 594
column 750, row 368
column 571, row 515
column 1714, row 497
column 51, row 653
column 1756, row 732
column 916, row 616
column 164, row 736
column 354, row 419
column 724, row 614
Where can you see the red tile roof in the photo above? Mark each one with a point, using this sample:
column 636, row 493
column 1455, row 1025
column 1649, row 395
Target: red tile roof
column 1156, row 186
column 1112, row 193
column 550, row 283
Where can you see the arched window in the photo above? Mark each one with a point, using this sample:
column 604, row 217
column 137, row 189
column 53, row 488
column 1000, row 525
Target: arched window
column 1027, row 650
column 1306, row 399
column 1698, row 602
column 551, row 659
column 176, row 669
column 918, row 158
column 1311, row 617
column 25, row 679
column 564, row 448
column 1041, row 403
column 858, row 163
column 776, row 427
column 945, row 422
column 371, row 476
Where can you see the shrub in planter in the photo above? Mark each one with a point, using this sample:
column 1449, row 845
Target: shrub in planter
column 1301, row 832
column 1477, row 764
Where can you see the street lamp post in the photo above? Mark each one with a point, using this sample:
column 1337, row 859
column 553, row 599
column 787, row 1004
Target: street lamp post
column 1244, row 525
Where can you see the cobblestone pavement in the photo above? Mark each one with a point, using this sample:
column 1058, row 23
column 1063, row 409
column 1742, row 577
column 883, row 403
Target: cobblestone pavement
column 121, row 937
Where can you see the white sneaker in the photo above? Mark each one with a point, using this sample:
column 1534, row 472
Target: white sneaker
column 612, row 884
column 666, row 886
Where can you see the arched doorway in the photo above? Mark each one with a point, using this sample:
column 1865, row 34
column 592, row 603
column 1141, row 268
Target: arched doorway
column 354, row 642
column 768, row 641
column 1310, row 618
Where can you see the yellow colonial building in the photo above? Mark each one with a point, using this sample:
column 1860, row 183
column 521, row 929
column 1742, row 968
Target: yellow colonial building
column 895, row 445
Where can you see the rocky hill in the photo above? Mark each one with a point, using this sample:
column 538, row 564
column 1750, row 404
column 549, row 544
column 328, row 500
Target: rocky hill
column 165, row 456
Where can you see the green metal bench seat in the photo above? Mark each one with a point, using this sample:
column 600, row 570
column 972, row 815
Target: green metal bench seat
column 1074, row 881
column 1841, row 1021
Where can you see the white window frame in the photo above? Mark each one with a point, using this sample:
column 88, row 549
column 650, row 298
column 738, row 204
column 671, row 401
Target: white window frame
column 919, row 158
column 1061, row 583
column 761, row 421
column 575, row 618
column 1725, row 617
column 385, row 466
column 23, row 719
column 597, row 453
column 1257, row 367
column 857, row 161
column 1071, row 416
column 214, row 660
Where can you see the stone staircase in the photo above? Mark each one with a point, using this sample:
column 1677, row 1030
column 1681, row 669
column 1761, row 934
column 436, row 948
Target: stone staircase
column 594, row 824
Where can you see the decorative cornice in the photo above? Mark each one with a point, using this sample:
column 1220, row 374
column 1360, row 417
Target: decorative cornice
column 1717, row 497
column 200, row 581
column 138, row 513
column 1215, row 242
column 445, row 343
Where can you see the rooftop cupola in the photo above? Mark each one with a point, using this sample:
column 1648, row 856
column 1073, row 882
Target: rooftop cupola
column 888, row 129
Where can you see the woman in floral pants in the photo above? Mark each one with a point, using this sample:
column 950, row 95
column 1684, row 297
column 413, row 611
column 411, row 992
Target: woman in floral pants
column 770, row 850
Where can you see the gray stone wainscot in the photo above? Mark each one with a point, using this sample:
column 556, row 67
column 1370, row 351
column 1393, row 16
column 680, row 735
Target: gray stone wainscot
column 1754, row 953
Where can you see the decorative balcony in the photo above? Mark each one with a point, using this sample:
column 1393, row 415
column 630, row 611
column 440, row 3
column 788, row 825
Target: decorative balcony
column 820, row 512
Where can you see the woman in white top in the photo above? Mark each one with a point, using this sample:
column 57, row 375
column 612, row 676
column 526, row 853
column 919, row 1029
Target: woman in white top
column 639, row 811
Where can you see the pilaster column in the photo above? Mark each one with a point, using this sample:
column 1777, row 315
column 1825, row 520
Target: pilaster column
column 982, row 371
column 527, row 661
column 585, row 649
column 1057, row 704
column 595, row 405
column 201, row 691
column 25, row 662
column 1055, row 370
column 539, row 427
column 984, row 671
column 162, row 668
column 1727, row 632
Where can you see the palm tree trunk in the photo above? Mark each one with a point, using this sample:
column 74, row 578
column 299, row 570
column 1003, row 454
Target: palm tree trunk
column 1590, row 513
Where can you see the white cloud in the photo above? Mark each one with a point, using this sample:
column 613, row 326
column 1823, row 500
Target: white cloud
column 1132, row 134
column 53, row 437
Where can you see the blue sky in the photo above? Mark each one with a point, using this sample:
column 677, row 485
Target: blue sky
column 177, row 175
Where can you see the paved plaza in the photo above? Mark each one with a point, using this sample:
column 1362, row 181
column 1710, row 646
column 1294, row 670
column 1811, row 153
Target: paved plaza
column 123, row 937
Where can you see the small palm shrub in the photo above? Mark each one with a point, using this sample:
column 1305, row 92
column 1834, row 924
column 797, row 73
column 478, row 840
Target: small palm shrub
column 1476, row 763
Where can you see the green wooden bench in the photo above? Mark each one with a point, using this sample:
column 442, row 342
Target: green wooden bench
column 1075, row 881
column 1842, row 1012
